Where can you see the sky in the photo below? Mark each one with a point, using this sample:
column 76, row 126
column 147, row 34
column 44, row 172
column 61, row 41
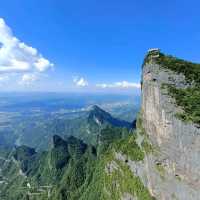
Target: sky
column 90, row 45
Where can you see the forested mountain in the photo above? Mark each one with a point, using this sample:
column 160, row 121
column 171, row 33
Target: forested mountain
column 85, row 124
column 65, row 171
column 28, row 118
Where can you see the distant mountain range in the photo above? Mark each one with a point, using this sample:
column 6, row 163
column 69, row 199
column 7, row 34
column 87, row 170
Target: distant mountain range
column 37, row 132
column 57, row 155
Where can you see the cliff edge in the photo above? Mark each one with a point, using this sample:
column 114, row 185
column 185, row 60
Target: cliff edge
column 170, row 118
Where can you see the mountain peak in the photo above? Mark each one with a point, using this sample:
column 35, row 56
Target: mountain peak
column 96, row 108
column 58, row 141
column 71, row 143
column 23, row 152
column 100, row 117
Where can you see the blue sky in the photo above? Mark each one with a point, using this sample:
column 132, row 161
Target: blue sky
column 90, row 45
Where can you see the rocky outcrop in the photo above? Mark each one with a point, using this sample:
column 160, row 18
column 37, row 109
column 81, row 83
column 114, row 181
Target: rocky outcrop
column 174, row 171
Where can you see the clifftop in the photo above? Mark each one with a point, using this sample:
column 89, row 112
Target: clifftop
column 190, row 70
column 182, row 83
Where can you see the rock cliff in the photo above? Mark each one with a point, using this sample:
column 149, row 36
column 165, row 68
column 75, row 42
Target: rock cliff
column 160, row 160
column 173, row 172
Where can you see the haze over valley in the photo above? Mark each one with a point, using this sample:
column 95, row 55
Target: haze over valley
column 41, row 115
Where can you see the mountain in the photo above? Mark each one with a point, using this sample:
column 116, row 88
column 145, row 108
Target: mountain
column 65, row 171
column 59, row 173
column 161, row 160
column 101, row 118
column 170, row 116
column 86, row 126
column 158, row 160
column 23, row 115
column 96, row 120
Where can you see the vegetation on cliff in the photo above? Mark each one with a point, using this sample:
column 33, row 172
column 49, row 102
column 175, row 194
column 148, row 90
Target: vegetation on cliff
column 187, row 98
column 190, row 70
column 113, row 178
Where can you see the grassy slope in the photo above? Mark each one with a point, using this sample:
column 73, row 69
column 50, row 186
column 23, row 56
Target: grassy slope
column 121, row 180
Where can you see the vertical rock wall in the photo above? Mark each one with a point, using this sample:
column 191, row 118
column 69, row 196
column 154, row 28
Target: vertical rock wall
column 177, row 142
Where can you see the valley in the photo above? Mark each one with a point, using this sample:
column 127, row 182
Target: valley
column 41, row 116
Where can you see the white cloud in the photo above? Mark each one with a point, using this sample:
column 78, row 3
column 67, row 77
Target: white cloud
column 42, row 64
column 28, row 78
column 4, row 78
column 122, row 84
column 102, row 85
column 16, row 56
column 80, row 82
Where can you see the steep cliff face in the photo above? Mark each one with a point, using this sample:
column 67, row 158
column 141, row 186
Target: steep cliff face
column 160, row 160
column 173, row 172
